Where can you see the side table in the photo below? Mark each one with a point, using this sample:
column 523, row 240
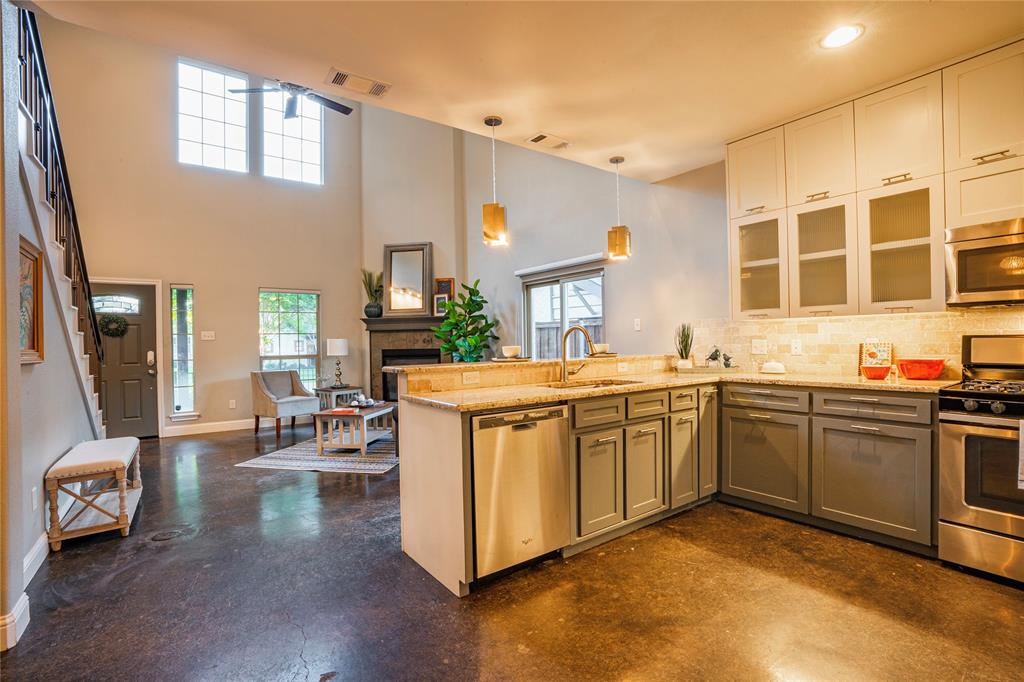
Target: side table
column 329, row 396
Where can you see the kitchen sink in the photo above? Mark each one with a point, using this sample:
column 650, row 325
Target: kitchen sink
column 591, row 383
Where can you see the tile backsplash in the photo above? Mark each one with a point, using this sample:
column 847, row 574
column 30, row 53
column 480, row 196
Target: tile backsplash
column 830, row 345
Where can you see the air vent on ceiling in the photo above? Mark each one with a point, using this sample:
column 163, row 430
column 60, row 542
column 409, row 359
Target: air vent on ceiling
column 360, row 84
column 548, row 141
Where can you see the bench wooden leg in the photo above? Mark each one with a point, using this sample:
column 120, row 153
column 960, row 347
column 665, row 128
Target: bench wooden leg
column 122, row 501
column 137, row 477
column 54, row 532
column 277, row 427
column 293, row 423
column 257, row 429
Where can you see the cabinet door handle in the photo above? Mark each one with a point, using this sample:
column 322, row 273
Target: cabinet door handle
column 820, row 313
column 900, row 308
column 642, row 432
column 893, row 179
column 602, row 441
column 859, row 399
column 759, row 416
column 755, row 209
column 861, row 427
column 818, row 195
column 760, row 391
column 992, row 156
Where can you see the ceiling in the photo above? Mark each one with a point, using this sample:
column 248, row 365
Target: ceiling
column 663, row 84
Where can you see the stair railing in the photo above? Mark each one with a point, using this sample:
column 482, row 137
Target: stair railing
column 48, row 150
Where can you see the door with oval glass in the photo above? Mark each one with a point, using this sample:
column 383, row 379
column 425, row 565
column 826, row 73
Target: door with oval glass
column 129, row 387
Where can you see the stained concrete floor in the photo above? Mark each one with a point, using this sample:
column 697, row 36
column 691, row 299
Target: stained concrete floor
column 278, row 575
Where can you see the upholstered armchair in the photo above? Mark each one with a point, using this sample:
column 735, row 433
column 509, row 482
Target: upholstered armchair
column 278, row 394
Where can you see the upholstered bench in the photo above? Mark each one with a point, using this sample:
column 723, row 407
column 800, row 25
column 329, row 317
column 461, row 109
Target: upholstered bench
column 110, row 505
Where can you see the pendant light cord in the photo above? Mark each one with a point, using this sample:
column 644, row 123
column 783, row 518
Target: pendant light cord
column 618, row 218
column 494, row 169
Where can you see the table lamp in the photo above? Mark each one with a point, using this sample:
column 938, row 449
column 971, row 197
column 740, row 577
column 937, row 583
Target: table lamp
column 337, row 348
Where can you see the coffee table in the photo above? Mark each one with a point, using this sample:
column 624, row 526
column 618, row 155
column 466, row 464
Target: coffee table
column 353, row 429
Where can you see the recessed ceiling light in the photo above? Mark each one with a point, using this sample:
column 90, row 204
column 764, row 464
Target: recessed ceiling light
column 844, row 35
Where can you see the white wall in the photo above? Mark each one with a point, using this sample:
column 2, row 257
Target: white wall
column 144, row 215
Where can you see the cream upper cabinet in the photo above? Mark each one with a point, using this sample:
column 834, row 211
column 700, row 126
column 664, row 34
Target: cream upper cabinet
column 760, row 279
column 986, row 193
column 983, row 108
column 900, row 230
column 899, row 132
column 757, row 174
column 823, row 257
column 820, row 156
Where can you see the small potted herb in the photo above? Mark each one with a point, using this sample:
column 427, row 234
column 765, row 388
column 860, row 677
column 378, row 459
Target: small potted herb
column 684, row 344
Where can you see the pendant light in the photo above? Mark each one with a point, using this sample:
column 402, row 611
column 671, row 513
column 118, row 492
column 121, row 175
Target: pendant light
column 495, row 230
column 619, row 247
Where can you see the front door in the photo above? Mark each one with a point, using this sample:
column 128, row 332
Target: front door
column 128, row 389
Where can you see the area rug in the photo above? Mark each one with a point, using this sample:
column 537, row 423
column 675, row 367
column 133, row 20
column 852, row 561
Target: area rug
column 380, row 459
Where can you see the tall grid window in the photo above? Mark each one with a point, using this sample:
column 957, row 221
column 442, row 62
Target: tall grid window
column 289, row 332
column 553, row 305
column 182, row 350
column 211, row 120
column 292, row 148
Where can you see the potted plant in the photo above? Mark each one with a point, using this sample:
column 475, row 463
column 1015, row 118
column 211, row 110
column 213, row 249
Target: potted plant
column 684, row 344
column 466, row 332
column 373, row 285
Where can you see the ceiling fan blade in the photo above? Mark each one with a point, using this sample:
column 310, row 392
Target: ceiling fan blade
column 291, row 107
column 253, row 90
column 330, row 103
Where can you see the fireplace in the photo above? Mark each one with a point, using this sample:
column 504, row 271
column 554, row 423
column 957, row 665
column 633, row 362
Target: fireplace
column 400, row 340
column 404, row 356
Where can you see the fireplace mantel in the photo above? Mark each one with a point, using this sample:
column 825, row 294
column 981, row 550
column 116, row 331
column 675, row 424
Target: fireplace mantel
column 402, row 323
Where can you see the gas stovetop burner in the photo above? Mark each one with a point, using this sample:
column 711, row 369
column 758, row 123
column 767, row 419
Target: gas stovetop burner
column 992, row 386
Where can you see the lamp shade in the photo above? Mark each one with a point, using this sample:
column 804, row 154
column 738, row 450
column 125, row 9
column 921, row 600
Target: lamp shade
column 495, row 231
column 337, row 347
column 619, row 243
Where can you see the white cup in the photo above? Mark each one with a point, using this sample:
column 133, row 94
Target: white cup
column 601, row 347
column 511, row 351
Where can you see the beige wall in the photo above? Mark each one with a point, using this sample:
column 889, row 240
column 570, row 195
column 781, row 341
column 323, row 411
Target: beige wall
column 144, row 215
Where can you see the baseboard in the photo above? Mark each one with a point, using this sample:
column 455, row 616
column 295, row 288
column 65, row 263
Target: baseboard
column 13, row 624
column 230, row 425
column 35, row 558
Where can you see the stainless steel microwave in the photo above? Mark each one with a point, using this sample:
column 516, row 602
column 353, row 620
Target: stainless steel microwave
column 985, row 264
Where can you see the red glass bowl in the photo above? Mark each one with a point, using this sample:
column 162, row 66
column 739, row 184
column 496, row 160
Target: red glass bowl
column 921, row 368
column 872, row 372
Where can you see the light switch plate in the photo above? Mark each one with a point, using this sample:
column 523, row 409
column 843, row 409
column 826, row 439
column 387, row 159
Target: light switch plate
column 796, row 347
column 231, row 404
column 208, row 336
column 759, row 346
column 623, row 367
column 469, row 378
column 636, row 324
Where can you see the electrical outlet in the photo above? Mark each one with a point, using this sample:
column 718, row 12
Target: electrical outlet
column 622, row 367
column 35, row 497
column 759, row 346
column 208, row 336
column 636, row 324
column 469, row 378
column 796, row 347
column 231, row 404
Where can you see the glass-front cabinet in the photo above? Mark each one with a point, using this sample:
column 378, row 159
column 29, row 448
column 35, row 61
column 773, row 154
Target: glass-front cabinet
column 901, row 247
column 759, row 268
column 823, row 257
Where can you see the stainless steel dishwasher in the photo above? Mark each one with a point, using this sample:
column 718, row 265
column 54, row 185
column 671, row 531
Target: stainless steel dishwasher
column 520, row 486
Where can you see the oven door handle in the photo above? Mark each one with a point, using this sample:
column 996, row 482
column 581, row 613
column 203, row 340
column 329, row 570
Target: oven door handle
column 999, row 426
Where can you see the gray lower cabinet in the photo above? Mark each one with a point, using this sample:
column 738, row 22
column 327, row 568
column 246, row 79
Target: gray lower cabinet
column 645, row 467
column 707, row 457
column 599, row 469
column 764, row 457
column 873, row 476
column 683, row 445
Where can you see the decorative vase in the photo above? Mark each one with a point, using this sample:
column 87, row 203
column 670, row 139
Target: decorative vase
column 684, row 364
column 373, row 310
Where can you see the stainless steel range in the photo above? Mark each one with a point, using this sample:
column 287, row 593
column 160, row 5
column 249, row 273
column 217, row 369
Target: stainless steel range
column 981, row 508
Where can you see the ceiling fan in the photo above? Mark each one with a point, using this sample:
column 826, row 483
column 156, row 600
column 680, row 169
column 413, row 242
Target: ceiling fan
column 293, row 91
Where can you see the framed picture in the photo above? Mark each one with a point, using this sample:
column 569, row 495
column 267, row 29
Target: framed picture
column 875, row 354
column 439, row 301
column 30, row 297
column 445, row 285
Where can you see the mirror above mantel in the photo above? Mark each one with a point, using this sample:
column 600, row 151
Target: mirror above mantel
column 408, row 279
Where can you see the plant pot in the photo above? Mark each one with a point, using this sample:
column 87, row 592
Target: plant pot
column 684, row 364
column 373, row 310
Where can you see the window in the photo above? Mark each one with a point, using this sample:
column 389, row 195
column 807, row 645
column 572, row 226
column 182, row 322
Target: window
column 117, row 304
column 289, row 332
column 292, row 147
column 553, row 304
column 183, row 371
column 212, row 121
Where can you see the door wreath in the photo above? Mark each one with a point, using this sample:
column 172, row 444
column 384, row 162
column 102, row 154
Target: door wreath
column 113, row 325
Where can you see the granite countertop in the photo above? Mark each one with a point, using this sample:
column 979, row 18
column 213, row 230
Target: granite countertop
column 523, row 395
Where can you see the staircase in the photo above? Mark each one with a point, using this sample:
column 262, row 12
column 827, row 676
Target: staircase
column 44, row 177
